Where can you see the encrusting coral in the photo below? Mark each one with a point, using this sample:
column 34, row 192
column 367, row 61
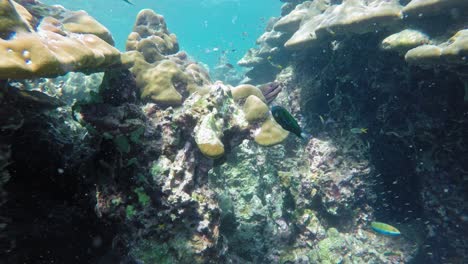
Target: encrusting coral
column 82, row 23
column 450, row 53
column 405, row 40
column 350, row 17
column 421, row 8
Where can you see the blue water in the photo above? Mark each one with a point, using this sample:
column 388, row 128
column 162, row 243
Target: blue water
column 204, row 28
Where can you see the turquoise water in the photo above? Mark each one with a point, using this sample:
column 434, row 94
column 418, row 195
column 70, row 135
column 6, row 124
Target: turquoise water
column 204, row 28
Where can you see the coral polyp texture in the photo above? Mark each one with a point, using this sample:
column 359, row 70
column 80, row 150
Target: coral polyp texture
column 76, row 42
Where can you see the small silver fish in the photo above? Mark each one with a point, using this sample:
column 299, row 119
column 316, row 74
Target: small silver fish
column 358, row 130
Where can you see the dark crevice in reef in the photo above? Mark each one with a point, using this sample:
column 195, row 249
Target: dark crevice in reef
column 51, row 217
column 407, row 111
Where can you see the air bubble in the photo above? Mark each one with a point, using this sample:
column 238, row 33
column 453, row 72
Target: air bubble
column 28, row 62
column 26, row 53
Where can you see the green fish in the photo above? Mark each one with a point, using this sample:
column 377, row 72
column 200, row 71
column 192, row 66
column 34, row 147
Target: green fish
column 385, row 229
column 128, row 2
column 287, row 121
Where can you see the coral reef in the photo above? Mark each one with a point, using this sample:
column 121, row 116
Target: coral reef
column 150, row 161
column 55, row 47
column 377, row 151
column 311, row 24
column 131, row 162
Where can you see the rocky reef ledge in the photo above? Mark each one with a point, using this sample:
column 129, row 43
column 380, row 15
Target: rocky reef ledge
column 140, row 157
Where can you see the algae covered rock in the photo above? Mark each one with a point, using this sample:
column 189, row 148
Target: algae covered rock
column 331, row 249
column 249, row 214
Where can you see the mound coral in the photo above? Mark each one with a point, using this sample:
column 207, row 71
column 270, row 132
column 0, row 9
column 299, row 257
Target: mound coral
column 255, row 109
column 163, row 76
column 270, row 133
column 245, row 90
column 150, row 28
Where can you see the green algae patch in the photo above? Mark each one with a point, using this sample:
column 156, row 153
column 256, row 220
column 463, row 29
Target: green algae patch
column 149, row 252
column 130, row 211
column 176, row 250
column 143, row 198
column 136, row 134
column 122, row 144
column 156, row 169
column 329, row 250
